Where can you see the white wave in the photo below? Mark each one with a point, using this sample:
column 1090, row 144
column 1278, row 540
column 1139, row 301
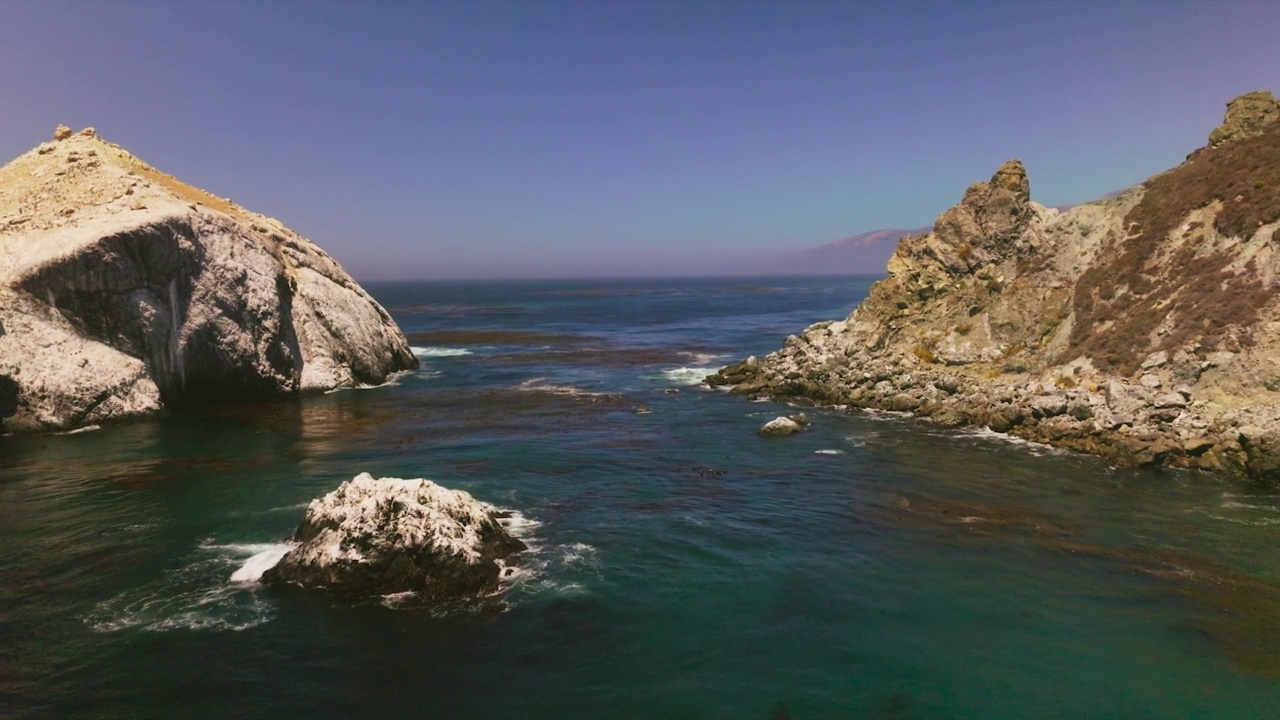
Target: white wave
column 1260, row 522
column 828, row 452
column 196, row 596
column 876, row 414
column 397, row 600
column 392, row 380
column 554, row 569
column 1231, row 504
column 540, row 384
column 235, row 549
column 701, row 358
column 986, row 433
column 519, row 525
column 253, row 568
column 435, row 352
column 578, row 554
column 77, row 431
column 688, row 375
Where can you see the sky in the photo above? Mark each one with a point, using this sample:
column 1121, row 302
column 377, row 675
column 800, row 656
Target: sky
column 426, row 140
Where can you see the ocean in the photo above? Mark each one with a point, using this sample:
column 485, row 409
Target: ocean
column 681, row 566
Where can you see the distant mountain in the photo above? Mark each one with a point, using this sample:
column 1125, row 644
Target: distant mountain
column 863, row 254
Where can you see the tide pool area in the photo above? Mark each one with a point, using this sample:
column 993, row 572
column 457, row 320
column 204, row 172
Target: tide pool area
column 680, row 565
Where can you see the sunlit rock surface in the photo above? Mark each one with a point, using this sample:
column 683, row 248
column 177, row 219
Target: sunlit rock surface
column 124, row 290
column 387, row 535
column 1144, row 327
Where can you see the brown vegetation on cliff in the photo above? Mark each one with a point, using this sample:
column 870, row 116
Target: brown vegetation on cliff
column 1195, row 289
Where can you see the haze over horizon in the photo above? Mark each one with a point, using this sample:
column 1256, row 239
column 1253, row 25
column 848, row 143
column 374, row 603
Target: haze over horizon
column 557, row 139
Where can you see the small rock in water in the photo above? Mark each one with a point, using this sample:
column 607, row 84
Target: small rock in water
column 780, row 427
column 640, row 410
column 387, row 535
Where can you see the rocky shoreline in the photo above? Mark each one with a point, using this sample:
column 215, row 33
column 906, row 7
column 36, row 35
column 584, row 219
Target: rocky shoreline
column 1127, row 423
column 1142, row 328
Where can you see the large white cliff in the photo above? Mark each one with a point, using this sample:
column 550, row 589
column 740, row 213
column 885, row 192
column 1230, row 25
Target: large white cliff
column 124, row 290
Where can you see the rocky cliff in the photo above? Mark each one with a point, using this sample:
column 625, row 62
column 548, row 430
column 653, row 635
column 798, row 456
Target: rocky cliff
column 124, row 290
column 1144, row 327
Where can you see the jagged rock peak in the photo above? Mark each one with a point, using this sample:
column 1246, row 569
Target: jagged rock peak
column 1012, row 176
column 1248, row 115
column 62, row 132
column 992, row 214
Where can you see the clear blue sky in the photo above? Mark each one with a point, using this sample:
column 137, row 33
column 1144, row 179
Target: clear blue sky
column 446, row 139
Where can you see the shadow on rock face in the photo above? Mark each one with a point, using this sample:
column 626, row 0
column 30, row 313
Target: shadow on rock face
column 8, row 398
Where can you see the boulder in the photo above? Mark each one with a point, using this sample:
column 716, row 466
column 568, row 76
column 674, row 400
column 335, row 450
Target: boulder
column 1048, row 405
column 1155, row 360
column 153, row 293
column 388, row 535
column 780, row 427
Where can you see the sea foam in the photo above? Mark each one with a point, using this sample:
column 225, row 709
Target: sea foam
column 688, row 375
column 199, row 595
column 435, row 352
column 265, row 559
column 392, row 379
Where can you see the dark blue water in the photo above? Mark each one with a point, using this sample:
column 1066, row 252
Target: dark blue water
column 683, row 567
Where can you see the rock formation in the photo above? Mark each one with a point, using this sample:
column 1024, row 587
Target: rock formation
column 1144, row 327
column 378, row 536
column 124, row 290
column 782, row 426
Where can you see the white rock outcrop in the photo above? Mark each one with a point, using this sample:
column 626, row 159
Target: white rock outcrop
column 782, row 426
column 388, row 535
column 124, row 290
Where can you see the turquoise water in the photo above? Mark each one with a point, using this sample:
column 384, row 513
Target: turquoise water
column 682, row 566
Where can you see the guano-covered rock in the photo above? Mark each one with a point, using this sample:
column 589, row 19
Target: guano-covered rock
column 124, row 291
column 388, row 535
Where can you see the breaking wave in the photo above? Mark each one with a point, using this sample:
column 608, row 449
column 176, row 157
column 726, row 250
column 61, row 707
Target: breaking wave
column 688, row 375
column 215, row 591
column 392, row 380
column 265, row 559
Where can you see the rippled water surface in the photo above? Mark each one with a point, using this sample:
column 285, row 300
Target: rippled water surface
column 682, row 567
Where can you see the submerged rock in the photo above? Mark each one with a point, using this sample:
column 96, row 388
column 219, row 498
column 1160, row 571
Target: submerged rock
column 124, row 291
column 388, row 535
